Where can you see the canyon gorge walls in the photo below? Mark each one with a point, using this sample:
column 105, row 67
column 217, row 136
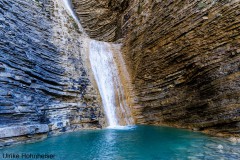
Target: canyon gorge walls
column 45, row 87
column 179, row 65
column 183, row 58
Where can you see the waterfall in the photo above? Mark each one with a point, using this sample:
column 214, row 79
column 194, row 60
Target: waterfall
column 105, row 70
column 68, row 6
column 101, row 60
column 106, row 75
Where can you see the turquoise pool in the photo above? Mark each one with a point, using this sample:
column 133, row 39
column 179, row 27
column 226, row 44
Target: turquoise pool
column 132, row 143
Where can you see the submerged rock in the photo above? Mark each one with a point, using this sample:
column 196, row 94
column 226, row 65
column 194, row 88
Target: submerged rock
column 234, row 140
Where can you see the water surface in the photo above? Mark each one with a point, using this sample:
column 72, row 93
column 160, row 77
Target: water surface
column 133, row 143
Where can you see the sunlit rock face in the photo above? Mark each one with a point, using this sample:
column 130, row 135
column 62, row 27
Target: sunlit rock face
column 183, row 58
column 45, row 87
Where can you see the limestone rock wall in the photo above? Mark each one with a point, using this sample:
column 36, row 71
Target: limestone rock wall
column 45, row 87
column 101, row 18
column 184, row 58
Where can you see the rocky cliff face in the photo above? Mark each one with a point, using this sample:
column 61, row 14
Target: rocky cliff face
column 45, row 87
column 101, row 19
column 183, row 56
column 185, row 60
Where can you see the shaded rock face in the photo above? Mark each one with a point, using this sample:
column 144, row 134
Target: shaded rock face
column 44, row 78
column 101, row 18
column 183, row 57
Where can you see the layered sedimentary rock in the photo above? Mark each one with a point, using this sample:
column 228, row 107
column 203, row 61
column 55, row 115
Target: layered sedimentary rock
column 183, row 57
column 101, row 19
column 45, row 87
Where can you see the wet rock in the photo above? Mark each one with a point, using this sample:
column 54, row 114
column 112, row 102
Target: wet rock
column 234, row 140
column 15, row 131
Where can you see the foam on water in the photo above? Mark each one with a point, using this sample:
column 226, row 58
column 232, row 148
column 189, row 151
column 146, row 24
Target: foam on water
column 122, row 127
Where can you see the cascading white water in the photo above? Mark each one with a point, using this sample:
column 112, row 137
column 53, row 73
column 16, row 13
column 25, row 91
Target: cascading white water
column 106, row 72
column 69, row 8
column 102, row 63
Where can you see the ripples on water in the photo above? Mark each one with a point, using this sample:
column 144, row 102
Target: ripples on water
column 133, row 143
